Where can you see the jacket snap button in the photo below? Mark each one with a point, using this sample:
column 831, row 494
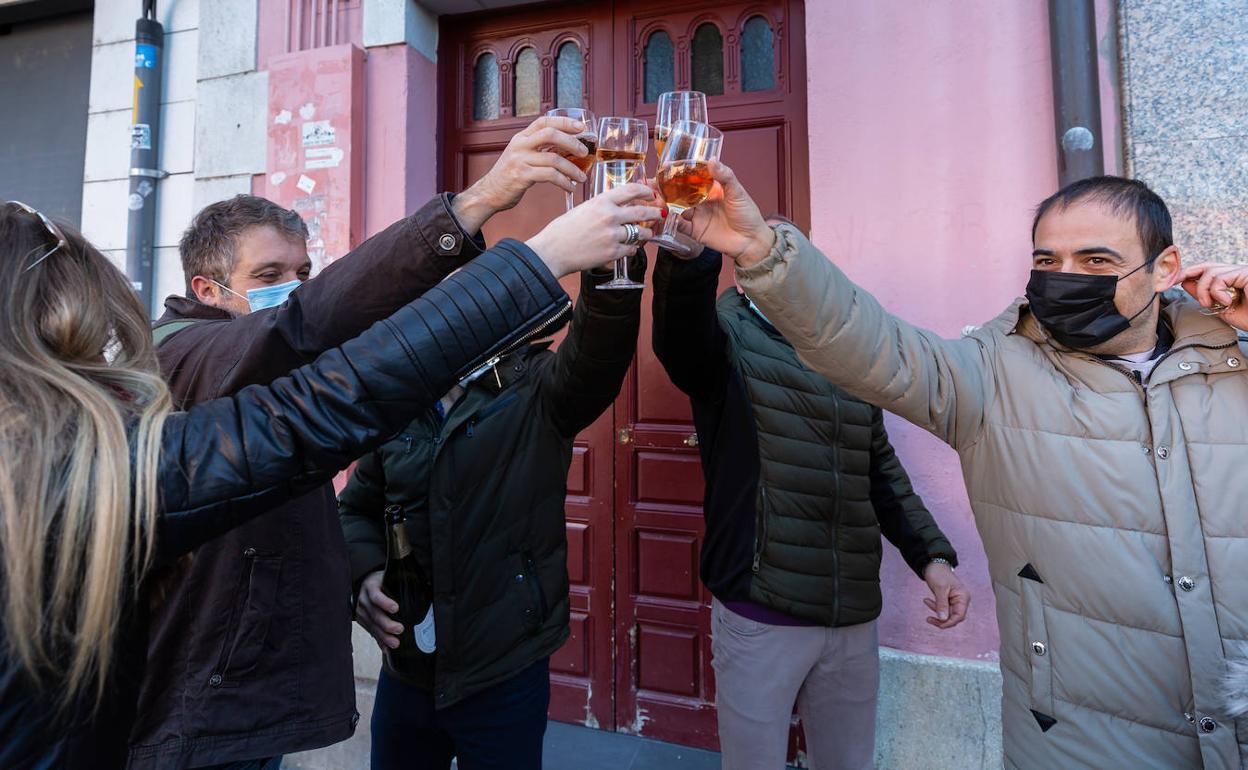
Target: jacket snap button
column 215, row 680
column 1039, row 648
column 1146, row 450
column 1163, row 452
column 1189, row 717
column 1232, row 362
column 1207, row 725
column 1185, row 366
column 520, row 578
column 1186, row 583
column 249, row 553
column 447, row 241
column 1168, row 579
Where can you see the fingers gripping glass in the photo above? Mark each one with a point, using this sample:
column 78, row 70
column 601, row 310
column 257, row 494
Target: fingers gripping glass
column 588, row 137
column 684, row 177
column 613, row 173
column 48, row 225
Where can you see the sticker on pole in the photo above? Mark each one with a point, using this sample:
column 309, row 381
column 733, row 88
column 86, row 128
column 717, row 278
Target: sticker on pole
column 135, row 202
column 140, row 136
column 317, row 133
column 306, row 183
column 145, row 56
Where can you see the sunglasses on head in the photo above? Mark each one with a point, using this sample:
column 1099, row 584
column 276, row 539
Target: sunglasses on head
column 48, row 225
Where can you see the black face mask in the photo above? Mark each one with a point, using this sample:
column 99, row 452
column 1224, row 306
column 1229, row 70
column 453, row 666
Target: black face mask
column 1077, row 309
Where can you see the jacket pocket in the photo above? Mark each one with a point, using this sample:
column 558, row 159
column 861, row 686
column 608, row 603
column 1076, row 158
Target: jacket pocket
column 1038, row 649
column 250, row 621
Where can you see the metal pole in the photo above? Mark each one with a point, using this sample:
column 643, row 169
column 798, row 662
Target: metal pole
column 144, row 152
column 1076, row 90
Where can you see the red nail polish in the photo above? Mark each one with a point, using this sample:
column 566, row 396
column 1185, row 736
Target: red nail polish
column 663, row 212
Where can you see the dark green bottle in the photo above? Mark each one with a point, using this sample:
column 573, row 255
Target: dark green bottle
column 405, row 582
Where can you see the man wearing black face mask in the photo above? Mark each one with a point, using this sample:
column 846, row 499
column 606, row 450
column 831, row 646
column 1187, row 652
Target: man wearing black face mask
column 1102, row 426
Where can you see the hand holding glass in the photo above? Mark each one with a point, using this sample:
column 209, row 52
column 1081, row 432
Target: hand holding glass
column 588, row 137
column 615, row 173
column 684, row 179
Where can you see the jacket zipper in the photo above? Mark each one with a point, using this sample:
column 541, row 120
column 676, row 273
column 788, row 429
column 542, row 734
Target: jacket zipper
column 760, row 528
column 1134, row 377
column 836, row 513
column 513, row 347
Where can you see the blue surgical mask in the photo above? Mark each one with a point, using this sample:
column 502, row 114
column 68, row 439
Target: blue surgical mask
column 265, row 296
column 271, row 296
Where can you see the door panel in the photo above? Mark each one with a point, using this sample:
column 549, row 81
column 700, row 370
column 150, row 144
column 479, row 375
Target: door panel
column 665, row 684
column 638, row 659
column 582, row 670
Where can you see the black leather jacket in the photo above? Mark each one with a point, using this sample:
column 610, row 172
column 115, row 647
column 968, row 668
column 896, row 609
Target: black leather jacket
column 229, row 459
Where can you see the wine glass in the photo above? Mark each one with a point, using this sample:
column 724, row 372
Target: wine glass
column 622, row 139
column 684, row 178
column 613, row 173
column 588, row 137
column 675, row 106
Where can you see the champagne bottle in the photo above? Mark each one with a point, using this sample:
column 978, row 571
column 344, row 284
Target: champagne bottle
column 405, row 582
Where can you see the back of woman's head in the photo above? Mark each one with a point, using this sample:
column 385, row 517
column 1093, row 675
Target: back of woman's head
column 81, row 409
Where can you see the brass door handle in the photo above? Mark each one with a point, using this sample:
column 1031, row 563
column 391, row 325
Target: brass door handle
column 624, row 436
column 691, row 440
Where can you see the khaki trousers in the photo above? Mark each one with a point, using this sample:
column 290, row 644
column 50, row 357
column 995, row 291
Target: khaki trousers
column 761, row 671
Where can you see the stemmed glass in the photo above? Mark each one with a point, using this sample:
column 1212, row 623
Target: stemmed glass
column 675, row 106
column 684, row 178
column 588, row 137
column 622, row 139
column 613, row 173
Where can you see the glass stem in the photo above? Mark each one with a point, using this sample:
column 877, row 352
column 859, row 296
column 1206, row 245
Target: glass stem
column 569, row 200
column 621, row 269
column 669, row 224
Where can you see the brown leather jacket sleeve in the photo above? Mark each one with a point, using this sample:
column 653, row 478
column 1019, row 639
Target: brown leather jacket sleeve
column 214, row 358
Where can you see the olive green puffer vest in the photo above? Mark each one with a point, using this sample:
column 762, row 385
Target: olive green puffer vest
column 817, row 540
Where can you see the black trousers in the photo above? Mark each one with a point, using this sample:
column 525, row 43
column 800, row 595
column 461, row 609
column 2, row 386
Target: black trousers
column 498, row 729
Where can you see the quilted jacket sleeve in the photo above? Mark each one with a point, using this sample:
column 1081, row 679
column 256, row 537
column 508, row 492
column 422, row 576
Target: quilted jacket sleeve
column 842, row 332
column 229, row 459
column 903, row 517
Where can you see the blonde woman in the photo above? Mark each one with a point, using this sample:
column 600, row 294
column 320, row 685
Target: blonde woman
column 100, row 481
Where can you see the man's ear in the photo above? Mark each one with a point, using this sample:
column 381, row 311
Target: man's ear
column 1167, row 269
column 205, row 290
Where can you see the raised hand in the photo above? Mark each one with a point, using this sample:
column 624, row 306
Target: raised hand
column 1217, row 285
column 593, row 233
column 527, row 160
column 729, row 220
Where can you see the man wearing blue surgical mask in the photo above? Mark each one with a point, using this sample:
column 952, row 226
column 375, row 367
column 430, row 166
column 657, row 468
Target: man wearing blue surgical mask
column 267, row 261
column 249, row 653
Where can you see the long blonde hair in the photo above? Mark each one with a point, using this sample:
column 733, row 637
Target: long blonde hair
column 82, row 408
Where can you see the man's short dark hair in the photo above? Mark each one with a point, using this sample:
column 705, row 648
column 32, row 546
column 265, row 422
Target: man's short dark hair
column 209, row 246
column 1122, row 196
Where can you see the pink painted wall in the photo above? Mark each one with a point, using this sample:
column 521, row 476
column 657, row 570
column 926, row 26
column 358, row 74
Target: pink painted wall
column 399, row 118
column 931, row 130
column 401, row 141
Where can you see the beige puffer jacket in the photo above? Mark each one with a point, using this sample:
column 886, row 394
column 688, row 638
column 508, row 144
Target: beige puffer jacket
column 1115, row 518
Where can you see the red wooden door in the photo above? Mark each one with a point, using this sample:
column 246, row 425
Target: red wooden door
column 476, row 124
column 664, row 682
column 639, row 656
